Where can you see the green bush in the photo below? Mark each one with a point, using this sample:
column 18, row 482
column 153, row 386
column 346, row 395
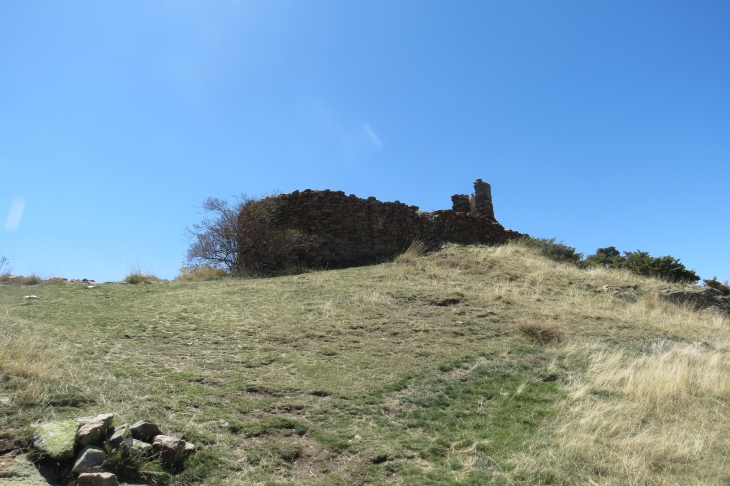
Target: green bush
column 559, row 251
column 640, row 262
column 604, row 257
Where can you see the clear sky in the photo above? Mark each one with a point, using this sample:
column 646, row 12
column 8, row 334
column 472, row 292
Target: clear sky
column 601, row 123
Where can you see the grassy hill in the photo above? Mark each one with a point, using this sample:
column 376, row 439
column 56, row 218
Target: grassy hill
column 473, row 365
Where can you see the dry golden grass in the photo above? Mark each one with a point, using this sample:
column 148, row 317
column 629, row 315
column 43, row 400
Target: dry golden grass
column 416, row 249
column 403, row 354
column 541, row 331
column 137, row 276
column 8, row 279
column 200, row 273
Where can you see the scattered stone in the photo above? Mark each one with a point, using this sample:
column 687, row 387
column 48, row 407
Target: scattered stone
column 90, row 286
column 141, row 447
column 189, row 448
column 90, row 460
column 97, row 479
column 56, row 439
column 30, row 297
column 121, row 438
column 94, row 431
column 145, row 431
column 169, row 449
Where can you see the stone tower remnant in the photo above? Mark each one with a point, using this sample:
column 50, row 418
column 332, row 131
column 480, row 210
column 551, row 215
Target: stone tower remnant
column 483, row 199
column 460, row 203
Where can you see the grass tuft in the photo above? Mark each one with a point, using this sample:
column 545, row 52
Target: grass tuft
column 416, row 249
column 137, row 276
column 541, row 331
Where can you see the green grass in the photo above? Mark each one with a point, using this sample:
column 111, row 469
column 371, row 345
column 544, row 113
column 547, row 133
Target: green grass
column 413, row 372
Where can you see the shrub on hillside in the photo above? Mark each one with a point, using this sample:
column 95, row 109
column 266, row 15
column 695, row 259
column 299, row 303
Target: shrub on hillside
column 559, row 251
column 604, row 257
column 3, row 264
column 262, row 246
column 640, row 262
column 243, row 237
column 541, row 331
column 716, row 284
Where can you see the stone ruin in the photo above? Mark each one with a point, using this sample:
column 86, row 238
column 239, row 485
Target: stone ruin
column 349, row 229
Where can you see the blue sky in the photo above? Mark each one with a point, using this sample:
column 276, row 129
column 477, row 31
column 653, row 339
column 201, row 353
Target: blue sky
column 602, row 123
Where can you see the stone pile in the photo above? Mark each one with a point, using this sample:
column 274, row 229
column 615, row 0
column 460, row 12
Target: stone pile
column 83, row 441
column 351, row 229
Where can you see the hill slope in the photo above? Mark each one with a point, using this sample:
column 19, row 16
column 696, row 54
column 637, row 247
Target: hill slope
column 421, row 371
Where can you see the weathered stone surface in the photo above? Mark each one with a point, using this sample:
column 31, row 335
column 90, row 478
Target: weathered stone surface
column 90, row 460
column 56, row 439
column 349, row 229
column 483, row 199
column 141, row 447
column 189, row 448
column 94, row 431
column 97, row 479
column 169, row 449
column 698, row 297
column 460, row 203
column 145, row 430
column 121, row 438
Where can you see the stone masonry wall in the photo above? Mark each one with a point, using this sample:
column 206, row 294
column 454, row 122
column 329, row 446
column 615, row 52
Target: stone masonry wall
column 351, row 229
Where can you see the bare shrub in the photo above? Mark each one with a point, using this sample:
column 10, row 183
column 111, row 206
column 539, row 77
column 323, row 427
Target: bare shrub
column 541, row 331
column 262, row 247
column 243, row 237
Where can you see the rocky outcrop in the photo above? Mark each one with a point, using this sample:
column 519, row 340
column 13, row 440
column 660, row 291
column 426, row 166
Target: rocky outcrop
column 698, row 297
column 86, row 439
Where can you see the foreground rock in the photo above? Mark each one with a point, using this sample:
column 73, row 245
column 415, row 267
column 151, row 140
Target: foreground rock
column 121, row 438
column 59, row 440
column 169, row 449
column 145, row 431
column 97, row 479
column 56, row 439
column 90, row 460
column 94, row 431
column 141, row 447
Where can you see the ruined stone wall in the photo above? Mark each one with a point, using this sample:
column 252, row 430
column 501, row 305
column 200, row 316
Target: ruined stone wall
column 350, row 229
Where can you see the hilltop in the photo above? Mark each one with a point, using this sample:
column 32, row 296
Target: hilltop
column 471, row 365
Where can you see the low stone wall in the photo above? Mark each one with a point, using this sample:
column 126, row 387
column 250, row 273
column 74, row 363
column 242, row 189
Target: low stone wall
column 351, row 229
